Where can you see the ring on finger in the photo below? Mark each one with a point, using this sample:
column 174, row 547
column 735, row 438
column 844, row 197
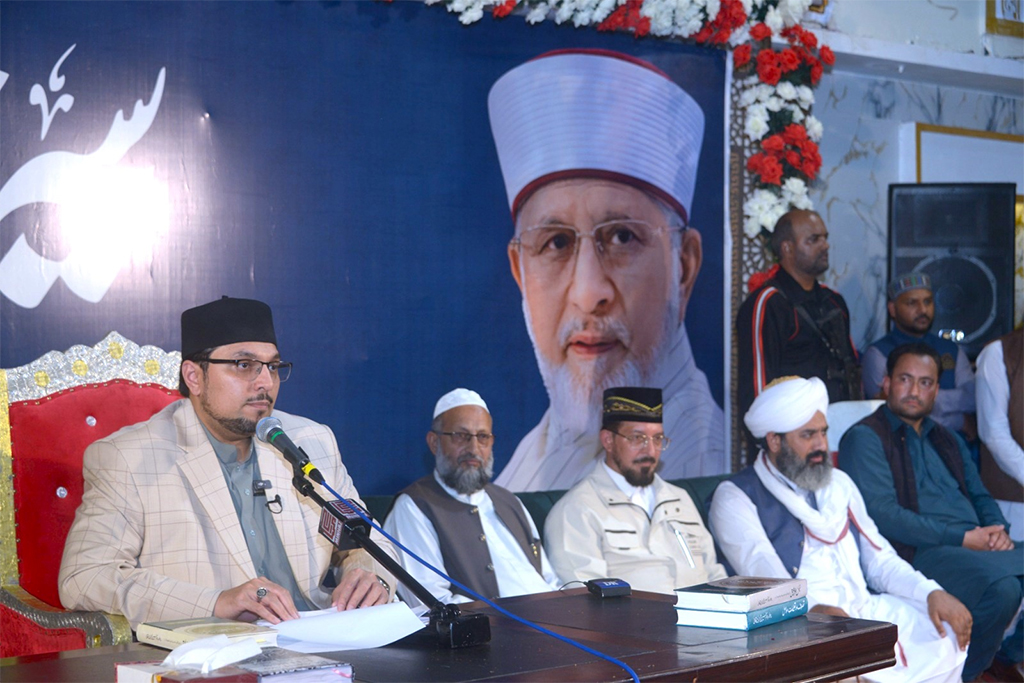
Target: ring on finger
column 261, row 593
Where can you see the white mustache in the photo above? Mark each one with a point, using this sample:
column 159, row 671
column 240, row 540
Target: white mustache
column 611, row 328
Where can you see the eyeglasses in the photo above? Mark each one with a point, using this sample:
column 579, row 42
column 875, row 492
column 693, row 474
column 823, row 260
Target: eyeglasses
column 640, row 441
column 620, row 244
column 250, row 368
column 464, row 438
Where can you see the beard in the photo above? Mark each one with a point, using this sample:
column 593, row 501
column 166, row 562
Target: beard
column 805, row 474
column 240, row 426
column 577, row 399
column 637, row 475
column 465, row 480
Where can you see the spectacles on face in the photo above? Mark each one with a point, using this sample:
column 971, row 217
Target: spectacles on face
column 249, row 369
column 621, row 245
column 464, row 438
column 639, row 442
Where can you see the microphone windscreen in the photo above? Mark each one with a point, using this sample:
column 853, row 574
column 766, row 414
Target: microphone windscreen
column 265, row 426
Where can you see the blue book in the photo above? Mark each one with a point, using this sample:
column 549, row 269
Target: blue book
column 741, row 621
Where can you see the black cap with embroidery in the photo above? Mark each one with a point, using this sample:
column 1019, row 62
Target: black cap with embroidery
column 632, row 404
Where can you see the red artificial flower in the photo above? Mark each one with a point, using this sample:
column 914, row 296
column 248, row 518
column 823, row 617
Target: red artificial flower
column 827, row 55
column 769, row 74
column 767, row 57
column 627, row 17
column 755, row 161
column 793, row 158
column 771, row 171
column 504, row 9
column 816, row 71
column 760, row 31
column 773, row 144
column 741, row 55
column 809, row 39
column 702, row 35
column 758, row 279
column 788, row 60
column 794, row 134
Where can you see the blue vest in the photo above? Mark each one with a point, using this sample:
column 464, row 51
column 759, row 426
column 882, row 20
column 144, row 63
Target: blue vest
column 946, row 349
column 785, row 531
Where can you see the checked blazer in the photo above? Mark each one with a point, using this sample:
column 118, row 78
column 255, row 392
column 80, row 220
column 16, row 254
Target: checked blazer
column 157, row 537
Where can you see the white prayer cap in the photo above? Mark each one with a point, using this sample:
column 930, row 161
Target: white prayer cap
column 597, row 114
column 456, row 398
column 786, row 404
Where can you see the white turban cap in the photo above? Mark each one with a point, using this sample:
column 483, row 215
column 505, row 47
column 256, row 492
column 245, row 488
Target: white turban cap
column 787, row 404
column 596, row 114
column 456, row 398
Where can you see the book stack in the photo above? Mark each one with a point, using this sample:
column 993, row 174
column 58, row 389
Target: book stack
column 741, row 602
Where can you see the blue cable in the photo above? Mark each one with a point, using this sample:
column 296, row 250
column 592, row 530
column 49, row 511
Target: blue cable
column 473, row 593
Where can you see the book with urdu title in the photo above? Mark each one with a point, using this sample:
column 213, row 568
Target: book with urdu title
column 740, row 593
column 743, row 621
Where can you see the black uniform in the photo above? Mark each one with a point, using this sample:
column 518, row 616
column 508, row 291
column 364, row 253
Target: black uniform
column 776, row 340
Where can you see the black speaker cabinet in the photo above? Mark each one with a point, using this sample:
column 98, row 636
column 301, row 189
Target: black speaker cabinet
column 962, row 236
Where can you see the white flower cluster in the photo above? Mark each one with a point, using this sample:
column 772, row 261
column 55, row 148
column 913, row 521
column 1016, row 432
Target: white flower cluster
column 679, row 17
column 760, row 98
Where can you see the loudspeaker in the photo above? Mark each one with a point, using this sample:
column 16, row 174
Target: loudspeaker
column 962, row 236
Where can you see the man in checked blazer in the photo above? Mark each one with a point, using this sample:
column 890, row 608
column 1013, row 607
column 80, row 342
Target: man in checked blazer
column 175, row 521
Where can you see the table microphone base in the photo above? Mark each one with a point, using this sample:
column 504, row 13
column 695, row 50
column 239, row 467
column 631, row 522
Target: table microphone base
column 461, row 629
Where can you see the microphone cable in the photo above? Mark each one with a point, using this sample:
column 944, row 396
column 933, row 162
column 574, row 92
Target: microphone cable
column 569, row 641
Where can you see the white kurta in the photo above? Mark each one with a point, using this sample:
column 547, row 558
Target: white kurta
column 993, row 393
column 552, row 457
column 839, row 574
column 512, row 569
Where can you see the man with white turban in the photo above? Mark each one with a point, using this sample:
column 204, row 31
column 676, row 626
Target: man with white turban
column 479, row 534
column 791, row 514
column 599, row 155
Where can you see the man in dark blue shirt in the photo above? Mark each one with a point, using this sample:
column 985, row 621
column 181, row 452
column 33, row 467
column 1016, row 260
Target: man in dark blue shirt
column 923, row 491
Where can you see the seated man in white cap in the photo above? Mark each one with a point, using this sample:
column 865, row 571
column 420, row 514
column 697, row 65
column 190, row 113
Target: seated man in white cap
column 477, row 533
column 791, row 514
column 623, row 520
column 599, row 154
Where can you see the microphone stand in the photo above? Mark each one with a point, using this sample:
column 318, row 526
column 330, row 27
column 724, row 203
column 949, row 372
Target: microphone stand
column 345, row 529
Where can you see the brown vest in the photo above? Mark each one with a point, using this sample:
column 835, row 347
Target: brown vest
column 1001, row 485
column 461, row 534
column 894, row 445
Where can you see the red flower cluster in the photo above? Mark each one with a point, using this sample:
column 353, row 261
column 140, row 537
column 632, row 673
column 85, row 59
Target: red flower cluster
column 758, row 279
column 773, row 66
column 791, row 150
column 730, row 17
column 627, row 17
column 504, row 9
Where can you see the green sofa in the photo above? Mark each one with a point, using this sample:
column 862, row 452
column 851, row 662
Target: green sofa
column 539, row 503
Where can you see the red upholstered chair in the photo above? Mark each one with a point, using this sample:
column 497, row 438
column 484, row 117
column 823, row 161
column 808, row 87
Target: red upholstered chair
column 50, row 410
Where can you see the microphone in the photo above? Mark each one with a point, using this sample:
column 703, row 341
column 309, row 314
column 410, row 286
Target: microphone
column 268, row 430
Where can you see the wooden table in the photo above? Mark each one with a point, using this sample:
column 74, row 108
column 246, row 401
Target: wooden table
column 640, row 630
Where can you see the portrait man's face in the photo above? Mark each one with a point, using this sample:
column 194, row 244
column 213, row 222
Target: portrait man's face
column 601, row 304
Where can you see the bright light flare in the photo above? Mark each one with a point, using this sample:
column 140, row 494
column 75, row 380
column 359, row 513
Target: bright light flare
column 113, row 215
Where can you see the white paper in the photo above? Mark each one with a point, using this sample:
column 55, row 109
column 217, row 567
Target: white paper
column 328, row 630
column 207, row 654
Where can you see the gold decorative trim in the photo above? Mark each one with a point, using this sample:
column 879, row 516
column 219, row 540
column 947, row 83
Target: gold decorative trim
column 8, row 542
column 619, row 404
column 112, row 358
column 1002, row 27
column 100, row 628
column 920, row 128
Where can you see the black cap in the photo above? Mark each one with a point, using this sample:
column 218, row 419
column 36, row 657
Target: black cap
column 632, row 404
column 225, row 321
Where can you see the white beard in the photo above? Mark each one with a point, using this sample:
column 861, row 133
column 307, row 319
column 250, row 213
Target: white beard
column 576, row 401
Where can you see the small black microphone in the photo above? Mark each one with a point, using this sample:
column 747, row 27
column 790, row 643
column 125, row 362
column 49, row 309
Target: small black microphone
column 276, row 501
column 268, row 430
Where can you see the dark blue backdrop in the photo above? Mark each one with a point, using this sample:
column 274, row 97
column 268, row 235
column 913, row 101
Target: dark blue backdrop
column 345, row 174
